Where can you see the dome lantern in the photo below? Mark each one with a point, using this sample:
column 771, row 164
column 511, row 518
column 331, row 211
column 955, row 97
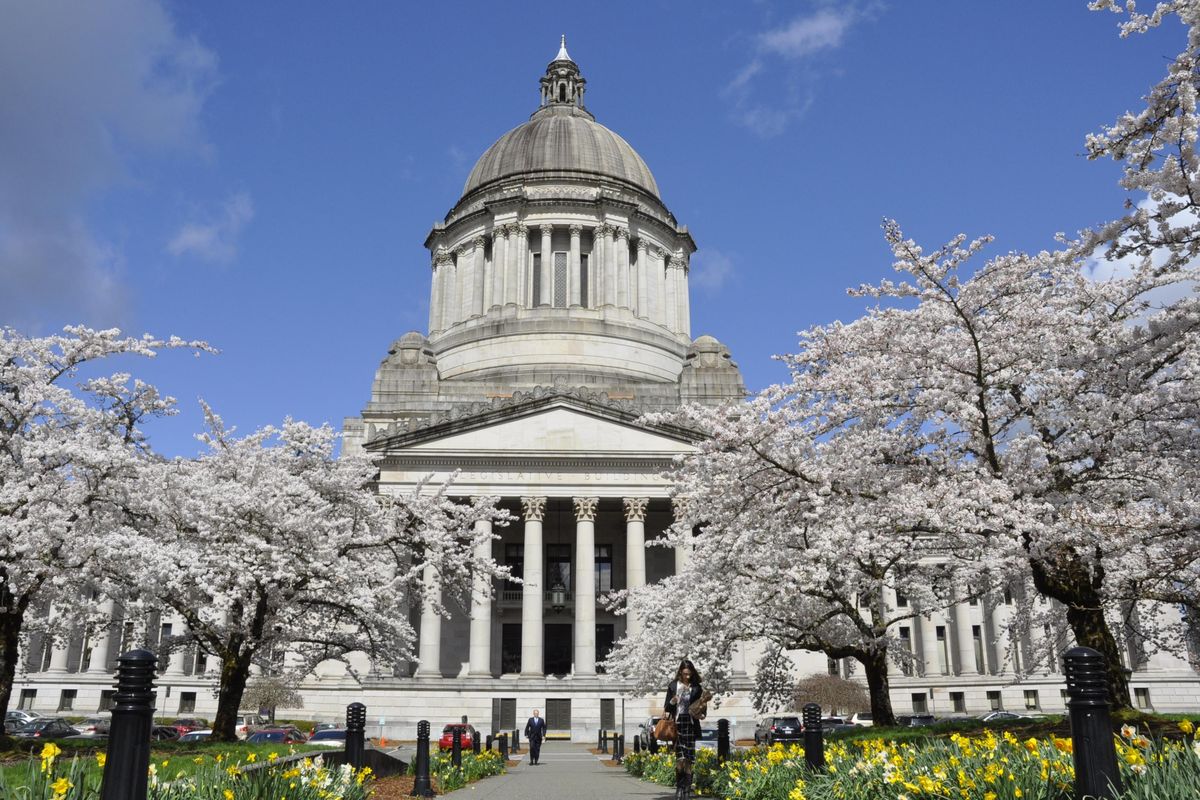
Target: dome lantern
column 562, row 85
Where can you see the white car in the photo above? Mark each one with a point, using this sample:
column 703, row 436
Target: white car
column 246, row 722
column 196, row 736
column 862, row 719
column 330, row 737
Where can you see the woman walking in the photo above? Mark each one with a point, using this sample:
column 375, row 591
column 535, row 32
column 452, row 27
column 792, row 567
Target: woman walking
column 682, row 705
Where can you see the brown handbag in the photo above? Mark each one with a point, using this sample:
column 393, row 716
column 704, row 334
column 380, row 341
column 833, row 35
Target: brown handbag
column 665, row 730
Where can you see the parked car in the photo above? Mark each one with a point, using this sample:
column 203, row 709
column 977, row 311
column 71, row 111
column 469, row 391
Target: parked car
column 1002, row 716
column 163, row 733
column 94, row 726
column 915, row 720
column 329, row 737
column 862, row 719
column 246, row 723
column 646, row 733
column 326, row 726
column 275, row 735
column 20, row 715
column 196, row 736
column 778, row 729
column 447, row 740
column 46, row 728
column 188, row 724
column 707, row 740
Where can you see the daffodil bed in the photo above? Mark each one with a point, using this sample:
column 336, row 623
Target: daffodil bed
column 217, row 775
column 984, row 767
column 446, row 777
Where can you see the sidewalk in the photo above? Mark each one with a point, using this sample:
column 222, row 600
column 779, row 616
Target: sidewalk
column 565, row 770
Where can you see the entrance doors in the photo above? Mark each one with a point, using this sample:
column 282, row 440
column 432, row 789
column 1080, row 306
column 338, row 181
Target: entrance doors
column 557, row 649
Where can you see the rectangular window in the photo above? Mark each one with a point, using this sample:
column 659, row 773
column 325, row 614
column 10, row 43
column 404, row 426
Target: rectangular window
column 920, row 703
column 605, row 637
column 608, row 714
column 187, row 702
column 831, row 666
column 66, row 700
column 906, row 643
column 560, row 280
column 958, row 701
column 27, row 698
column 536, row 283
column 1141, row 696
column 604, row 568
column 977, row 638
column 558, row 714
column 558, row 567
column 508, row 713
column 583, row 280
column 106, row 699
column 1031, row 699
column 164, row 649
column 901, row 600
column 510, row 648
column 943, row 655
column 47, row 652
column 514, row 559
column 995, row 701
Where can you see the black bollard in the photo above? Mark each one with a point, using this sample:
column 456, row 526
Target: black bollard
column 490, row 739
column 619, row 748
column 1096, row 772
column 603, row 741
column 504, row 747
column 456, row 746
column 516, row 740
column 356, row 727
column 475, row 743
column 722, row 740
column 637, row 744
column 128, row 753
column 421, row 785
column 814, row 741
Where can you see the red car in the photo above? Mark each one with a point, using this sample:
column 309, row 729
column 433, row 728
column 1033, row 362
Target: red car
column 447, row 740
column 189, row 724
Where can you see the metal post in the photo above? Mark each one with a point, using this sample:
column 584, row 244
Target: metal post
column 516, row 747
column 619, row 748
column 356, row 726
column 722, row 740
column 603, row 741
column 504, row 747
column 490, row 739
column 637, row 744
column 456, row 746
column 128, row 753
column 1096, row 772
column 421, row 785
column 475, row 743
column 814, row 741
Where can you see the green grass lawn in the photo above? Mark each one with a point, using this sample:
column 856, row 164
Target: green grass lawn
column 1153, row 725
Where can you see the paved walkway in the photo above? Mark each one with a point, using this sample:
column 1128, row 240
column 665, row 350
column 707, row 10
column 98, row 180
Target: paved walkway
column 564, row 771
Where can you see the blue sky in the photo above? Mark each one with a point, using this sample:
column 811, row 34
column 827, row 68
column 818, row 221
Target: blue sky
column 262, row 175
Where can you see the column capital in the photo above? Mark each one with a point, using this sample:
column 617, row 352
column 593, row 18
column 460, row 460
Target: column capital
column 520, row 229
column 621, row 233
column 576, row 230
column 442, row 257
column 603, row 229
column 642, row 245
column 497, row 233
column 635, row 508
column 479, row 242
column 680, row 505
column 661, row 253
column 678, row 262
column 546, row 228
column 534, row 507
column 462, row 251
column 585, row 508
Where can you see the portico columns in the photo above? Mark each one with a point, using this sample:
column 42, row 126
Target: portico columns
column 98, row 663
column 624, row 300
column 964, row 641
column 429, row 650
column 678, row 284
column 683, row 552
column 574, row 294
column 466, row 281
column 178, row 655
column 510, row 266
column 635, row 554
column 642, row 267
column 609, row 269
column 435, row 298
column 520, row 291
column 585, row 585
column 546, row 272
column 59, row 648
column 498, row 248
column 477, row 275
column 445, row 268
column 685, row 303
column 533, row 590
column 670, row 301
column 480, row 651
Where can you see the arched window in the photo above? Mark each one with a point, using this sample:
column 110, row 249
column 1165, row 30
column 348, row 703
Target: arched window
column 562, row 93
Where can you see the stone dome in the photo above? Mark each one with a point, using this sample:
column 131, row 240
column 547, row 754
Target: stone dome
column 561, row 141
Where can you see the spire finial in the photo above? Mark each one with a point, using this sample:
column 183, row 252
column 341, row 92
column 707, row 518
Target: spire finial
column 562, row 50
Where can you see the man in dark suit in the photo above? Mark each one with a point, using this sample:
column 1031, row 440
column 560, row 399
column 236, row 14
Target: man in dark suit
column 535, row 731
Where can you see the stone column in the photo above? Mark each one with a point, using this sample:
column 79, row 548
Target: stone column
column 635, row 554
column 596, row 268
column 521, row 257
column 574, row 295
column 511, row 279
column 643, row 284
column 991, row 647
column 478, row 276
column 624, row 300
column 435, row 297
column 683, row 553
column 685, row 302
column 175, row 664
column 610, row 267
column 585, row 585
column 59, row 649
column 498, row 248
column 670, row 300
column 678, row 292
column 964, row 642
column 445, row 268
column 429, row 648
column 546, row 273
column 533, row 590
column 466, row 281
column 98, row 664
column 480, row 651
column 929, row 645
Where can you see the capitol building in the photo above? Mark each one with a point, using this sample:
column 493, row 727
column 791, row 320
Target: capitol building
column 559, row 315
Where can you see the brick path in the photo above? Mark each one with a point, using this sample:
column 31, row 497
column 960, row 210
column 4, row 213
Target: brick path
column 564, row 771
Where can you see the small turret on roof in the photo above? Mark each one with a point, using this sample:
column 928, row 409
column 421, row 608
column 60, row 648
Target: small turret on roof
column 562, row 85
column 563, row 55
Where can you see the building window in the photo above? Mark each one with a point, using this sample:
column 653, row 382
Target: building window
column 510, row 648
column 943, row 655
column 558, row 567
column 27, row 698
column 504, row 713
column 1141, row 696
column 47, row 653
column 608, row 714
column 906, row 644
column 583, row 280
column 187, row 702
column 536, row 281
column 514, row 559
column 1031, row 699
column 558, row 714
column 831, row 665
column 604, row 568
column 560, row 280
column 920, row 703
column 977, row 637
column 901, row 600
column 106, row 699
column 605, row 638
column 995, row 701
column 958, row 701
column 66, row 701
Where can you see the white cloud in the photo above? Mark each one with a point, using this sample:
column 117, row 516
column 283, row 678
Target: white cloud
column 710, row 269
column 215, row 240
column 86, row 89
column 806, row 35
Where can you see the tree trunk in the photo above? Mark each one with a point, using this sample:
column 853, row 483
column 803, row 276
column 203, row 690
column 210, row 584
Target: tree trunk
column 10, row 643
column 235, row 672
column 875, row 665
column 1091, row 630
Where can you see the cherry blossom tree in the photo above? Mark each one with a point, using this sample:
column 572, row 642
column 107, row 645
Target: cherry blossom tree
column 69, row 448
column 276, row 553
